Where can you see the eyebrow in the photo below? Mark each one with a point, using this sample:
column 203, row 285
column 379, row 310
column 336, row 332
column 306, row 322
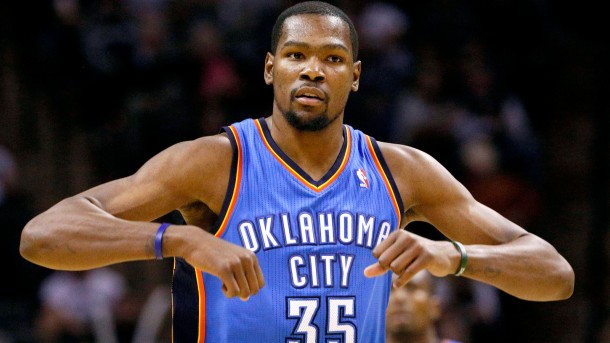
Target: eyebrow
column 305, row 45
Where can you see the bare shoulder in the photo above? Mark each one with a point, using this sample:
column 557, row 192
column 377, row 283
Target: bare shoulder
column 184, row 174
column 418, row 176
column 202, row 163
column 402, row 154
column 207, row 155
column 196, row 171
column 201, row 148
column 408, row 162
column 211, row 152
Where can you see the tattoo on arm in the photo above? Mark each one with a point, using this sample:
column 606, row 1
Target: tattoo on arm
column 488, row 272
column 491, row 272
column 70, row 248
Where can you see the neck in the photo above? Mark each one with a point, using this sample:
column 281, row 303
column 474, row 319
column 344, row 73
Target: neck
column 314, row 151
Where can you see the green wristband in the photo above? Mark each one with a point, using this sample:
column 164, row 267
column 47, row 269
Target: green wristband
column 463, row 258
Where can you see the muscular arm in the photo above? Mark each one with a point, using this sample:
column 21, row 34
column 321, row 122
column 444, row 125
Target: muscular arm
column 500, row 252
column 110, row 223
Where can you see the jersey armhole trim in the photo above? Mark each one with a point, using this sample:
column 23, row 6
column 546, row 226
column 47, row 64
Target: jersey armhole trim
column 234, row 182
column 202, row 308
column 387, row 176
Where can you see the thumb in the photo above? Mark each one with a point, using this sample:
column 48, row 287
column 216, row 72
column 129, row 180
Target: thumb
column 374, row 270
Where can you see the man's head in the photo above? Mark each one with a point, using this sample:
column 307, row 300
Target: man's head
column 314, row 7
column 413, row 309
column 311, row 66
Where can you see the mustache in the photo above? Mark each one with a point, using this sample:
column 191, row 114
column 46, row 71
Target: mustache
column 312, row 85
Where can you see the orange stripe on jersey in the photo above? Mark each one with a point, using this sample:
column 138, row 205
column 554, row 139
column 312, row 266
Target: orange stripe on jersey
column 296, row 174
column 235, row 191
column 201, row 292
column 385, row 179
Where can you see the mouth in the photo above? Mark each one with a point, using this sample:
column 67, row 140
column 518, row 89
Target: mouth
column 400, row 314
column 310, row 96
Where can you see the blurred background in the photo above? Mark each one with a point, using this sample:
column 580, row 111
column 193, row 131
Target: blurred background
column 510, row 96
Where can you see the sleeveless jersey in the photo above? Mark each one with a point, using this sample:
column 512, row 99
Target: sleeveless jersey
column 312, row 239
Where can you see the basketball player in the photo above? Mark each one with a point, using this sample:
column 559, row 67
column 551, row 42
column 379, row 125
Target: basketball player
column 413, row 311
column 294, row 220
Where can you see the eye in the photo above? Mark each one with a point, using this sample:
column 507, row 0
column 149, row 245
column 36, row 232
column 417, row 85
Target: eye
column 295, row 55
column 335, row 59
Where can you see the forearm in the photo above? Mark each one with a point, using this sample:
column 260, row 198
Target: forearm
column 76, row 234
column 528, row 268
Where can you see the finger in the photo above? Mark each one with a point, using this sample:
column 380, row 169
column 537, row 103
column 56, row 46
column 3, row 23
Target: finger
column 242, row 282
column 251, row 276
column 385, row 244
column 416, row 266
column 391, row 253
column 259, row 275
column 229, row 287
column 374, row 270
column 402, row 261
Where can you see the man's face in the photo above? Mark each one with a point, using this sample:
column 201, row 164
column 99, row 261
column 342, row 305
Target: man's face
column 412, row 308
column 312, row 71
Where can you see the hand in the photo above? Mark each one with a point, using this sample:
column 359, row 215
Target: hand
column 406, row 254
column 235, row 266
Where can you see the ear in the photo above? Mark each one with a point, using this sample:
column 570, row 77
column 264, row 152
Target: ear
column 269, row 68
column 357, row 71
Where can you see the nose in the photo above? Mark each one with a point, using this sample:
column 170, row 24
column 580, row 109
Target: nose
column 312, row 71
column 399, row 296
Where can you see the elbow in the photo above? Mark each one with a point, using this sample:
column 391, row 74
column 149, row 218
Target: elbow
column 561, row 282
column 566, row 283
column 46, row 240
column 33, row 243
column 28, row 243
column 558, row 285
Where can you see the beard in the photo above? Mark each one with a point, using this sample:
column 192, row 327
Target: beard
column 308, row 123
column 312, row 125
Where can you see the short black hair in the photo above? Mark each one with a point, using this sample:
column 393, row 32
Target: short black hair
column 314, row 7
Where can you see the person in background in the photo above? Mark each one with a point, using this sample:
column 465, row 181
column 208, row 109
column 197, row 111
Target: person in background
column 79, row 306
column 413, row 311
column 18, row 300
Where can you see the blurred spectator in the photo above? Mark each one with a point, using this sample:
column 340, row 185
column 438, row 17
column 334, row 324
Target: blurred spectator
column 471, row 311
column 218, row 83
column 18, row 291
column 422, row 105
column 80, row 306
column 507, row 192
column 388, row 64
column 432, row 116
column 496, row 114
column 445, row 24
column 425, row 116
column 413, row 311
column 109, row 35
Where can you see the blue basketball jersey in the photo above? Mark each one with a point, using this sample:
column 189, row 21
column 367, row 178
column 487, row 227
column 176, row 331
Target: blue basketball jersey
column 312, row 239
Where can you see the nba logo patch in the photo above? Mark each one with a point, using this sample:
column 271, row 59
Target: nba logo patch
column 364, row 180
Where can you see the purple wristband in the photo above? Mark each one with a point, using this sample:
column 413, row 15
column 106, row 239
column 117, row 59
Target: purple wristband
column 159, row 240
